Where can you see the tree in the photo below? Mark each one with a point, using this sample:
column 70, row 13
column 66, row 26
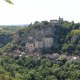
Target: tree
column 12, row 73
column 9, row 1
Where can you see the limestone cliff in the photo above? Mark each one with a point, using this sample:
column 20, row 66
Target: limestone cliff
column 41, row 36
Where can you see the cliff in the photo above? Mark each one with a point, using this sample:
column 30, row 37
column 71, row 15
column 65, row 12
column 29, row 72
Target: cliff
column 39, row 37
column 56, row 36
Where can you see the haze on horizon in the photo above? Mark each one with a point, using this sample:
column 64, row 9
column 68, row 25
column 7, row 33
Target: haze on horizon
column 27, row 11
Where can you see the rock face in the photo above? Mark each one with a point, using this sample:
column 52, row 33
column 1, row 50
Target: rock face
column 40, row 36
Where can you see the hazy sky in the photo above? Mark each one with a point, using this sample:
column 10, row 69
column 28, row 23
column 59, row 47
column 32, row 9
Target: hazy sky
column 27, row 11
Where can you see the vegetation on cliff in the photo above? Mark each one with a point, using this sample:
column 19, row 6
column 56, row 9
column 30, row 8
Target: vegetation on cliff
column 7, row 36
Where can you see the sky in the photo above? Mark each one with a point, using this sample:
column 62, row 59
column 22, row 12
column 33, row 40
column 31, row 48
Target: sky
column 27, row 11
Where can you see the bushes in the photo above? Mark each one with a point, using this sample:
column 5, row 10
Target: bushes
column 28, row 69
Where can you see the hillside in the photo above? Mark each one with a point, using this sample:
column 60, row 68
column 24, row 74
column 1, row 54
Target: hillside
column 11, row 28
column 42, row 51
column 33, row 68
column 7, row 35
column 56, row 36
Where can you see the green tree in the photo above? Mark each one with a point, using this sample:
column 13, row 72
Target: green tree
column 9, row 1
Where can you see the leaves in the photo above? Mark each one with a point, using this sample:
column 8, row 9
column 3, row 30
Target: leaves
column 12, row 70
column 9, row 1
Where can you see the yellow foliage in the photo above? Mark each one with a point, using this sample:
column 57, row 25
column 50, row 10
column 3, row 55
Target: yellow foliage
column 75, row 32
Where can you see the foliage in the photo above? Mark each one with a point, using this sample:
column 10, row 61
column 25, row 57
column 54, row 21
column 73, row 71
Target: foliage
column 9, row 1
column 7, row 36
column 75, row 32
column 31, row 68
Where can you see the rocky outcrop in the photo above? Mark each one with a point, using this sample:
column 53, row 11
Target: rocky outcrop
column 40, row 36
